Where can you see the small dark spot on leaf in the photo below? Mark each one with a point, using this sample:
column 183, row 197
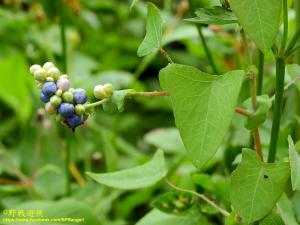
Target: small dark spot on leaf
column 266, row 176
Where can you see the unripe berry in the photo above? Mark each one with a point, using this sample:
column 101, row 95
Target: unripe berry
column 34, row 68
column 103, row 91
column 79, row 109
column 49, row 108
column 48, row 65
column 66, row 109
column 65, row 76
column 49, row 89
column 54, row 73
column 74, row 121
column 50, row 79
column 63, row 84
column 39, row 74
column 59, row 118
column 67, row 97
column 58, row 92
column 80, row 96
column 55, row 101
column 44, row 98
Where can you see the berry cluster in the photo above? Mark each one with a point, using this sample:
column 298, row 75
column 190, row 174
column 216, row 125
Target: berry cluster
column 67, row 103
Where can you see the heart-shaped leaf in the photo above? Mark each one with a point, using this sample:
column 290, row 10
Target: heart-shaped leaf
column 255, row 186
column 295, row 165
column 137, row 177
column 152, row 40
column 260, row 19
column 203, row 106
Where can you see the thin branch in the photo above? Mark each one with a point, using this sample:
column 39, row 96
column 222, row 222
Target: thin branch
column 95, row 104
column 203, row 197
column 242, row 111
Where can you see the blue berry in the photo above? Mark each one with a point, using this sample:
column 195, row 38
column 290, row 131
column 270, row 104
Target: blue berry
column 66, row 109
column 74, row 121
column 49, row 89
column 79, row 96
column 44, row 98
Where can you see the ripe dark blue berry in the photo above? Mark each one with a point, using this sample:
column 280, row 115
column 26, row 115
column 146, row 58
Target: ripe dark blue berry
column 74, row 121
column 66, row 109
column 49, row 89
column 44, row 98
column 80, row 96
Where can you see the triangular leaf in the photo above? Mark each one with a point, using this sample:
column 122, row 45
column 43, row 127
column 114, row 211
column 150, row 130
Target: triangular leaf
column 295, row 165
column 260, row 19
column 203, row 106
column 137, row 177
column 214, row 15
column 152, row 40
column 256, row 186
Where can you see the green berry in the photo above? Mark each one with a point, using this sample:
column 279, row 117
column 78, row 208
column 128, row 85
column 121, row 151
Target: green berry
column 55, row 101
column 49, row 79
column 67, row 97
column 48, row 65
column 103, row 91
column 59, row 118
column 59, row 93
column 34, row 68
column 79, row 109
column 49, row 108
column 40, row 74
column 54, row 73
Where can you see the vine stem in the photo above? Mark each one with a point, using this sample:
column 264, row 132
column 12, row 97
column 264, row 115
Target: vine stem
column 243, row 112
column 207, row 50
column 165, row 54
column 279, row 89
column 260, row 76
column 285, row 27
column 201, row 196
column 95, row 104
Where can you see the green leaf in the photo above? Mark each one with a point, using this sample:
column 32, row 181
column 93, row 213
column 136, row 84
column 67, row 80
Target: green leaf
column 256, row 186
column 152, row 40
column 173, row 202
column 14, row 83
column 156, row 217
column 133, row 3
column 286, row 211
column 294, row 164
column 117, row 101
column 260, row 19
column 214, row 15
column 264, row 103
column 294, row 71
column 203, row 106
column 272, row 219
column 137, row 177
column 167, row 139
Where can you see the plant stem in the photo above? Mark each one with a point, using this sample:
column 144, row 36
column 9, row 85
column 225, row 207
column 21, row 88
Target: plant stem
column 297, row 9
column 165, row 54
column 63, row 36
column 203, row 197
column 293, row 42
column 95, row 104
column 246, row 47
column 243, row 112
column 279, row 89
column 206, row 49
column 260, row 76
column 285, row 27
column 148, row 94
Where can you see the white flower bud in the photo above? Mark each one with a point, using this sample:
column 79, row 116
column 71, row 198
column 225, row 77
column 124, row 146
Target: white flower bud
column 103, row 91
column 54, row 73
column 34, row 68
column 48, row 65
